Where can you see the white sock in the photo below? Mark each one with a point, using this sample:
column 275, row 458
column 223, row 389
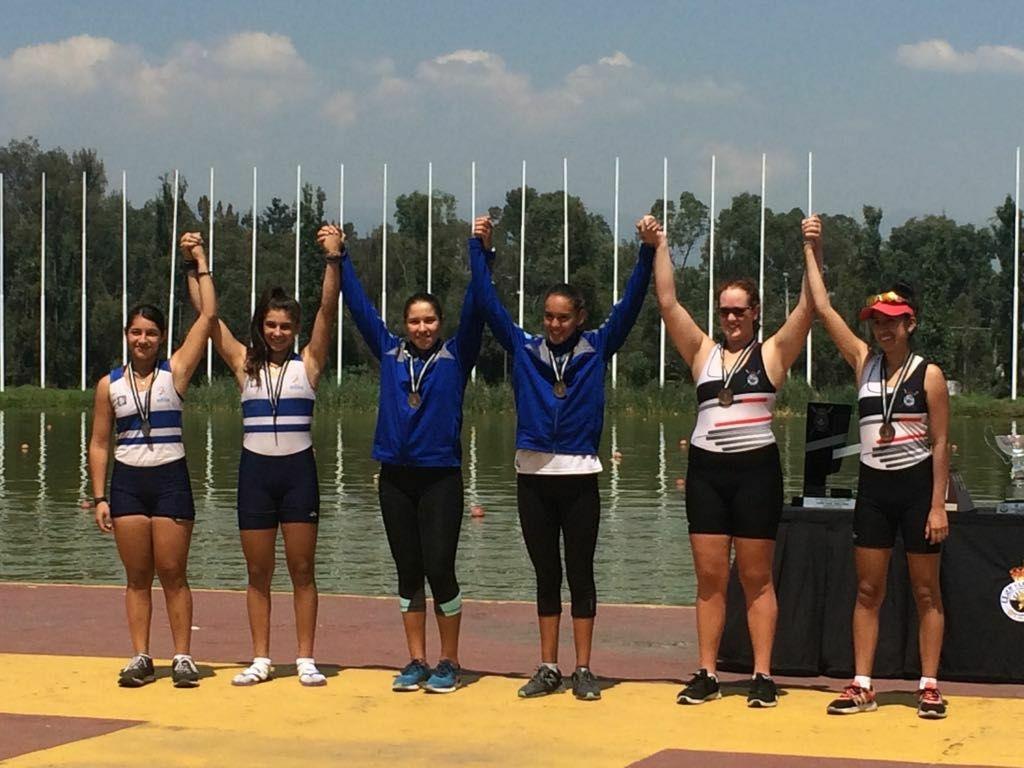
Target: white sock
column 928, row 682
column 864, row 681
column 552, row 665
column 309, row 660
column 260, row 661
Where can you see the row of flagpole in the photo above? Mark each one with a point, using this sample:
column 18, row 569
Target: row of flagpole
column 384, row 254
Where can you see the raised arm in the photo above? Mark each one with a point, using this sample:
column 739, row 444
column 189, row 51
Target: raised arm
column 231, row 350
column 187, row 357
column 316, row 352
column 937, row 526
column 471, row 319
column 851, row 347
column 371, row 326
column 508, row 334
column 99, row 452
column 620, row 321
column 687, row 336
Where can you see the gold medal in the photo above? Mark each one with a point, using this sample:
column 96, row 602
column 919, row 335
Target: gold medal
column 559, row 389
column 414, row 399
column 725, row 397
column 886, row 433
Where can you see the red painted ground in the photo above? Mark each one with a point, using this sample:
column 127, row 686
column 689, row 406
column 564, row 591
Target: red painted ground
column 27, row 733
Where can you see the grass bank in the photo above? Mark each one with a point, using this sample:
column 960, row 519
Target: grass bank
column 359, row 391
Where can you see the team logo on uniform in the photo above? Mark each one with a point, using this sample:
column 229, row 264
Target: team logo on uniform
column 121, row 400
column 909, row 400
column 1012, row 596
column 753, row 379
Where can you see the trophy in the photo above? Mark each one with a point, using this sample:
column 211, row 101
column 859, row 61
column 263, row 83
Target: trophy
column 1010, row 448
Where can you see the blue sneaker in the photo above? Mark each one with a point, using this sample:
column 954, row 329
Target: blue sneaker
column 411, row 677
column 445, row 679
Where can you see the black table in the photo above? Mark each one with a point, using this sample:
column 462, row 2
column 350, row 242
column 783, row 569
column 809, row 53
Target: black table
column 816, row 586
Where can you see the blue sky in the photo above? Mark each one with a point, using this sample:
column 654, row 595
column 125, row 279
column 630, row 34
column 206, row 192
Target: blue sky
column 915, row 107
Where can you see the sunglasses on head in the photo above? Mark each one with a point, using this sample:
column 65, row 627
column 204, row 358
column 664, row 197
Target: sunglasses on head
column 725, row 312
column 889, row 297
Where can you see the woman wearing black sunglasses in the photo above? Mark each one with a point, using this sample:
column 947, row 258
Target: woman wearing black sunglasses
column 734, row 477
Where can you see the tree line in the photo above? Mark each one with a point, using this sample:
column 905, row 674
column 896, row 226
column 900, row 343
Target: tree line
column 963, row 274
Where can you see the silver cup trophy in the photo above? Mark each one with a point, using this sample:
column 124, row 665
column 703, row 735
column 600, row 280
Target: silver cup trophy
column 1010, row 448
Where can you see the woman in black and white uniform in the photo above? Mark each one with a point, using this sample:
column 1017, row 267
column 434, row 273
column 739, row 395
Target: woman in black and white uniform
column 904, row 466
column 277, row 477
column 734, row 477
column 150, row 509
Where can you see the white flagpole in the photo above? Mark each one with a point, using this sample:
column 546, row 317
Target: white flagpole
column 472, row 219
column 430, row 224
column 298, row 230
column 252, row 289
column 298, row 234
column 384, row 251
column 810, row 210
column 3, row 357
column 124, row 264
column 711, row 256
column 209, row 256
column 760, row 282
column 1016, row 276
column 341, row 225
column 565, row 218
column 174, row 244
column 615, row 270
column 664, row 223
column 83, row 320
column 522, row 245
column 42, row 286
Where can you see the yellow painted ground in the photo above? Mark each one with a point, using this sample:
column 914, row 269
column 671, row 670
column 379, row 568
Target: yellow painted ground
column 356, row 720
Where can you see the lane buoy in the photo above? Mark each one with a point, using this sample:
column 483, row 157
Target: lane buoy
column 476, row 511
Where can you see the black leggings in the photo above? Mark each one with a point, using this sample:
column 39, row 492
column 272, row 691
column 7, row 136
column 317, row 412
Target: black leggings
column 422, row 511
column 569, row 505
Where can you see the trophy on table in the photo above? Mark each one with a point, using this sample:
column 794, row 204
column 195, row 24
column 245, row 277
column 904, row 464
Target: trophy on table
column 1010, row 448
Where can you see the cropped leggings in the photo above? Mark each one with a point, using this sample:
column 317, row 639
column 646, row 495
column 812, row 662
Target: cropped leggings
column 422, row 511
column 554, row 507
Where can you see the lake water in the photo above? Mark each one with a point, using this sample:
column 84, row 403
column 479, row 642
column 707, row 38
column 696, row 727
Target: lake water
column 643, row 555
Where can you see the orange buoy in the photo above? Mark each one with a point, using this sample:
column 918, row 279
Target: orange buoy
column 476, row 511
column 24, row 447
column 680, row 482
column 86, row 504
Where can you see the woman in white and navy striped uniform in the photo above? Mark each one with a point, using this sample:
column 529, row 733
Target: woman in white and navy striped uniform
column 150, row 509
column 734, row 476
column 904, row 466
column 277, row 477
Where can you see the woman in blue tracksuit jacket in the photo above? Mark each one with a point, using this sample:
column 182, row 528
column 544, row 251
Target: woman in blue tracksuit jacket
column 418, row 443
column 558, row 380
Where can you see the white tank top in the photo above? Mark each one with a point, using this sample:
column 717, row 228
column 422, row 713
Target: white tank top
column 746, row 424
column 290, row 431
column 163, row 443
column 912, row 443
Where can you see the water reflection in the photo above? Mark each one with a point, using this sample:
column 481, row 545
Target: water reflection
column 643, row 553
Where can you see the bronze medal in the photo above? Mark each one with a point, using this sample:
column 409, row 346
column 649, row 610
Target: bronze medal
column 559, row 389
column 886, row 432
column 725, row 397
column 145, row 428
column 414, row 399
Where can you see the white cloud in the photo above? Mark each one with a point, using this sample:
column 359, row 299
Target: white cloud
column 737, row 168
column 74, row 64
column 341, row 108
column 940, row 56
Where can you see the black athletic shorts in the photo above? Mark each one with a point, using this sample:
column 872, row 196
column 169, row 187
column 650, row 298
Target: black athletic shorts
column 277, row 489
column 891, row 499
column 161, row 491
column 735, row 494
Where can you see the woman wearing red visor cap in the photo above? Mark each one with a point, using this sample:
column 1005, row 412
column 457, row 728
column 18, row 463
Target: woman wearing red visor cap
column 904, row 464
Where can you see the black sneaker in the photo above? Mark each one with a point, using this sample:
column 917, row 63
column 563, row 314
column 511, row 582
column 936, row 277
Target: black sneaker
column 544, row 681
column 701, row 687
column 763, row 692
column 184, row 673
column 137, row 672
column 584, row 685
column 930, row 704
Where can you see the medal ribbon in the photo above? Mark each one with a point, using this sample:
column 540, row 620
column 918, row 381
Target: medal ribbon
column 887, row 407
column 142, row 409
column 414, row 380
column 559, row 371
column 274, row 389
column 740, row 361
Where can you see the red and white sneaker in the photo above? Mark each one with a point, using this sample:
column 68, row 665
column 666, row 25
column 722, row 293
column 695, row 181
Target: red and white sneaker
column 930, row 704
column 852, row 700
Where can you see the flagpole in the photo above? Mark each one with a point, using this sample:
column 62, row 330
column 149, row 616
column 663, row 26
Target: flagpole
column 430, row 224
column 615, row 268
column 252, row 269
column 384, row 251
column 711, row 256
column 522, row 245
column 124, row 264
column 341, row 226
column 83, row 312
column 209, row 256
column 1016, row 276
column 565, row 218
column 810, row 210
column 174, row 244
column 42, row 286
column 760, row 281
column 664, row 223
